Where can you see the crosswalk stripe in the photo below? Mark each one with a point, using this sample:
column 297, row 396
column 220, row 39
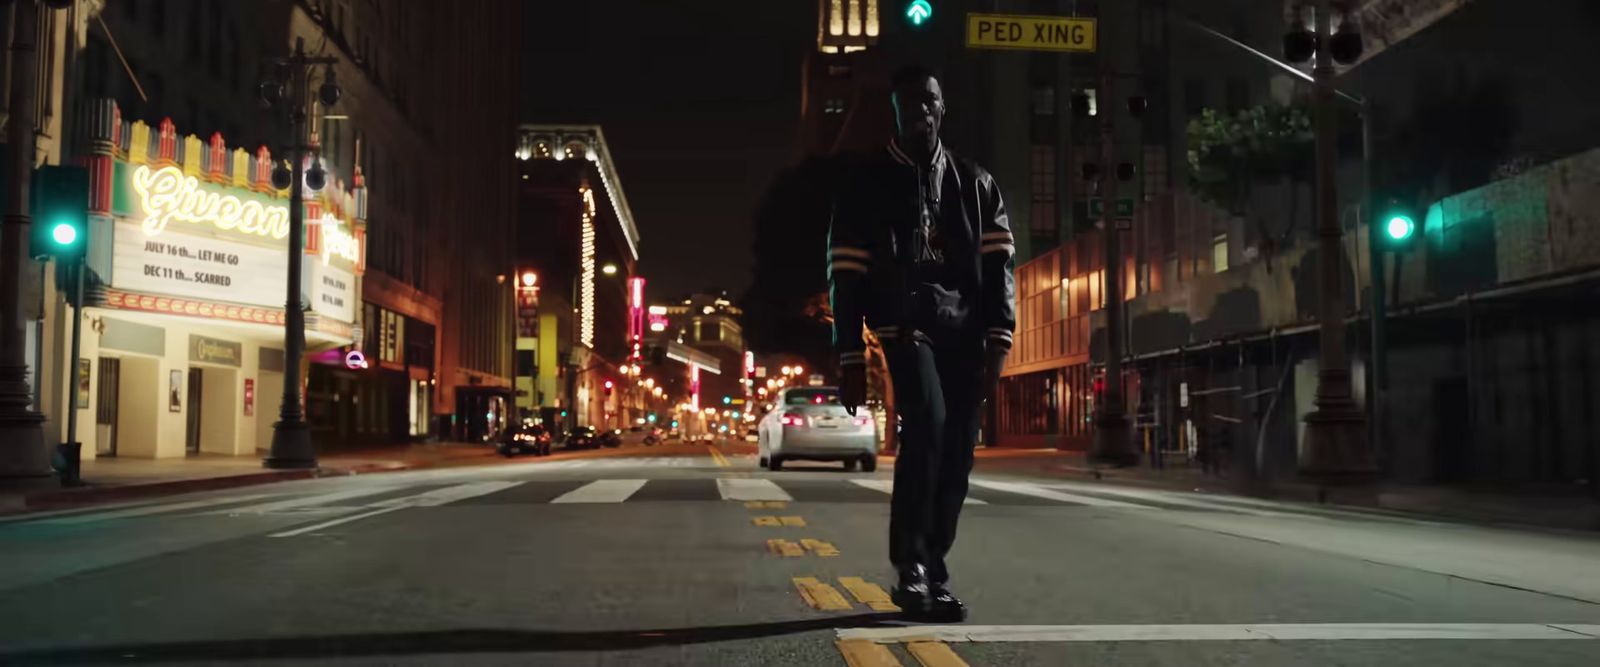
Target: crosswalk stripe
column 1243, row 632
column 304, row 501
column 602, row 491
column 751, row 489
column 1031, row 490
column 147, row 510
column 887, row 486
column 447, row 495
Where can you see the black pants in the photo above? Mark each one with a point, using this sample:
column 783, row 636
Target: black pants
column 937, row 394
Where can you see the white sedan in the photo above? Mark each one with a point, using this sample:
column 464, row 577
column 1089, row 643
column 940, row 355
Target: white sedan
column 809, row 423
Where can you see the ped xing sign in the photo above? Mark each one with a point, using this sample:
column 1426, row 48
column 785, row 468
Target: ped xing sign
column 1030, row 33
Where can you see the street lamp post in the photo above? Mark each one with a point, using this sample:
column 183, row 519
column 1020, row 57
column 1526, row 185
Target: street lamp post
column 291, row 437
column 1336, row 447
column 1378, row 364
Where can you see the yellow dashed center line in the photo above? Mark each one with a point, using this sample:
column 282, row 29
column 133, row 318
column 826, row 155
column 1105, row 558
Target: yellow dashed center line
column 785, row 548
column 865, row 653
column 868, row 593
column 934, row 654
column 794, row 521
column 718, row 457
column 765, row 504
column 820, row 596
column 820, row 548
column 791, row 521
column 765, row 521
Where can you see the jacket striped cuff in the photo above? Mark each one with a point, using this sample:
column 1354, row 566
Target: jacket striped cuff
column 1000, row 335
column 852, row 358
column 998, row 242
column 887, row 333
column 845, row 258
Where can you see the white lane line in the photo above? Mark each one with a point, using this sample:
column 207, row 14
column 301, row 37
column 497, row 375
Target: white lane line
column 448, row 494
column 1175, row 499
column 303, row 501
column 344, row 519
column 1037, row 492
column 602, row 491
column 152, row 509
column 751, row 489
column 887, row 486
column 1271, row 632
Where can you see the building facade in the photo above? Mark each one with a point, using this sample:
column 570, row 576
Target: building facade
column 420, row 345
column 582, row 319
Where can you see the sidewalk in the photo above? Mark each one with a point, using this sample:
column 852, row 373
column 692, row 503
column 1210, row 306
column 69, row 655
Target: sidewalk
column 120, row 479
column 1567, row 511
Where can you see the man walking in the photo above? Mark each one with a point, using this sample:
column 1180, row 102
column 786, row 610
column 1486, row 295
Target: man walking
column 920, row 249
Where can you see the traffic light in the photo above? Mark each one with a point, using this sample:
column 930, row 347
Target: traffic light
column 609, row 386
column 1396, row 229
column 918, row 12
column 727, row 400
column 60, row 212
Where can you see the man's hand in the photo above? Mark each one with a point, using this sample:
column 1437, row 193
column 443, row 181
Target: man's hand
column 853, row 387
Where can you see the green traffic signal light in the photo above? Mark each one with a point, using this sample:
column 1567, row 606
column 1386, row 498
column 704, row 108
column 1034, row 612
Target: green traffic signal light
column 60, row 211
column 919, row 12
column 1400, row 227
column 64, row 234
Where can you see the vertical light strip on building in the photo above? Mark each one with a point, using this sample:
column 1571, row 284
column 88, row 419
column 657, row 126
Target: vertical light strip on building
column 586, row 287
column 694, row 387
column 836, row 17
column 854, row 18
column 872, row 18
column 636, row 314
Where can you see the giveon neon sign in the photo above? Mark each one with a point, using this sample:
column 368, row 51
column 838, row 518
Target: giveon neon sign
column 167, row 195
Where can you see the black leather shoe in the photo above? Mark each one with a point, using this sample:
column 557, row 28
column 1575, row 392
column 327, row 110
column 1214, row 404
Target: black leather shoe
column 912, row 594
column 943, row 606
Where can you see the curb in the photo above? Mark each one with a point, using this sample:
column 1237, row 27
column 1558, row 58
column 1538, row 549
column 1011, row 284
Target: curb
column 92, row 495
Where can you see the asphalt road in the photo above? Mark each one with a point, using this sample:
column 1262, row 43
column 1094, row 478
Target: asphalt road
column 678, row 556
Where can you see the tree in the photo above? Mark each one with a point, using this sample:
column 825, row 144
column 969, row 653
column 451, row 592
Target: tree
column 1231, row 155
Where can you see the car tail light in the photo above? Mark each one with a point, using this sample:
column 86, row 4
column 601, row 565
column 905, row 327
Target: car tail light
column 791, row 419
column 863, row 420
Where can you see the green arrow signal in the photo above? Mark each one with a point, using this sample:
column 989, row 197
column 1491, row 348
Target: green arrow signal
column 919, row 11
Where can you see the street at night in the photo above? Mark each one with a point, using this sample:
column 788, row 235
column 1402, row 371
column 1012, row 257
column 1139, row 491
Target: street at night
column 810, row 333
column 657, row 556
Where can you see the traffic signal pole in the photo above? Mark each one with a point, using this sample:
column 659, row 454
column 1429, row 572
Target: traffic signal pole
column 22, row 450
column 71, row 452
column 1113, row 443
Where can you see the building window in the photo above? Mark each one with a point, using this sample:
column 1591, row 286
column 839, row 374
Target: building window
column 833, row 106
column 1042, row 212
column 1219, row 253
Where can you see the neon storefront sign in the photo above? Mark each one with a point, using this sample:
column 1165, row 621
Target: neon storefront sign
column 167, row 195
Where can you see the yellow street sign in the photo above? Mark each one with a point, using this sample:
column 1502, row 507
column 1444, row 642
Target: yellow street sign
column 1030, row 33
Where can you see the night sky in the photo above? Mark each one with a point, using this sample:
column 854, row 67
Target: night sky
column 699, row 101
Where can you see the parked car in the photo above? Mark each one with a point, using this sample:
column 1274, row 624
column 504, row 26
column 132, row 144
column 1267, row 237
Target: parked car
column 809, row 423
column 612, row 438
column 582, row 437
column 530, row 439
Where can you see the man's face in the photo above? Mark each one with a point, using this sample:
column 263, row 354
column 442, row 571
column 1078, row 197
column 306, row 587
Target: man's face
column 919, row 111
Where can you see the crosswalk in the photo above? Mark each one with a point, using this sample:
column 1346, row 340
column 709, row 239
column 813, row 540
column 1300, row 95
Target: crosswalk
column 374, row 498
